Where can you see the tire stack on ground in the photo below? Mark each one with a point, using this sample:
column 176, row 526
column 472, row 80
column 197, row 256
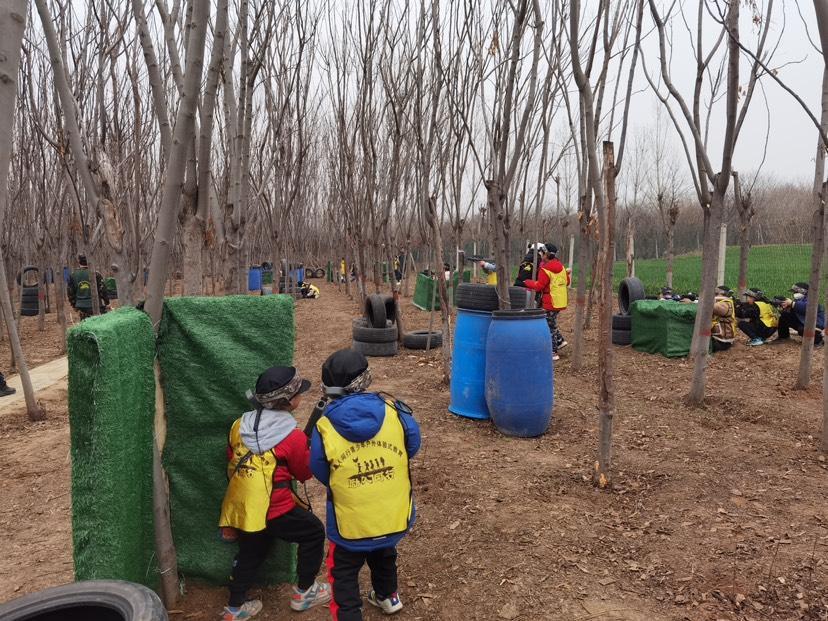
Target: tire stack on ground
column 630, row 290
column 376, row 334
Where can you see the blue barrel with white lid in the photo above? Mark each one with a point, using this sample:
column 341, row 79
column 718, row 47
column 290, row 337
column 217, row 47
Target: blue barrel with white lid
column 468, row 364
column 519, row 375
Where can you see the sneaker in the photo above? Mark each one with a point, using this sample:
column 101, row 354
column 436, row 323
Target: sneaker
column 7, row 390
column 316, row 594
column 389, row 605
column 562, row 344
column 249, row 609
column 555, row 357
column 756, row 342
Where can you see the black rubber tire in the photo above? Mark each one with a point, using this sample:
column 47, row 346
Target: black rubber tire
column 319, row 273
column 375, row 311
column 630, row 290
column 622, row 322
column 621, row 337
column 361, row 331
column 93, row 600
column 518, row 297
column 376, row 349
column 472, row 296
column 417, row 339
column 390, row 307
column 27, row 296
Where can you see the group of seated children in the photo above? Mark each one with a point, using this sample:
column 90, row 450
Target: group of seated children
column 757, row 316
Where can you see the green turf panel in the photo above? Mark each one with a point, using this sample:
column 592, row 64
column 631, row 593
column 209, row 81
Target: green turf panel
column 664, row 328
column 111, row 404
column 211, row 351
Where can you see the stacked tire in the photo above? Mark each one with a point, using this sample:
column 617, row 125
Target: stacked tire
column 376, row 334
column 630, row 290
column 472, row 296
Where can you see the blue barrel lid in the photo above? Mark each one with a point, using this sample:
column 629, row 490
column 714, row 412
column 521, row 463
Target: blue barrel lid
column 522, row 313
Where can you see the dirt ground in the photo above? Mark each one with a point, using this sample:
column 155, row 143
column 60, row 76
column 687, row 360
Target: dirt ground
column 716, row 513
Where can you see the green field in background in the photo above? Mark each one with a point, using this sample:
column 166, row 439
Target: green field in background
column 771, row 268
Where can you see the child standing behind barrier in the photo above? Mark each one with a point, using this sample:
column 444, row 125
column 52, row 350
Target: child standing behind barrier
column 360, row 450
column 265, row 453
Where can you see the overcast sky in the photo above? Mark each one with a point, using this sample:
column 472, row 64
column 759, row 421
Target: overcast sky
column 793, row 137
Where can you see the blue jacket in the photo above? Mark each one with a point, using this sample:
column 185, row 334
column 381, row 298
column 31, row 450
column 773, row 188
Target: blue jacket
column 358, row 418
column 799, row 307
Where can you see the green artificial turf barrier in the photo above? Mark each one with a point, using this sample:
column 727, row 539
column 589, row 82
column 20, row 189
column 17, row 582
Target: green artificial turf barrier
column 111, row 405
column 211, row 351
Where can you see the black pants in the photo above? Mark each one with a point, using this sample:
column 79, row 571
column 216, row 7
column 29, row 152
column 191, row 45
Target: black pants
column 343, row 574
column 552, row 322
column 756, row 330
column 296, row 526
column 789, row 321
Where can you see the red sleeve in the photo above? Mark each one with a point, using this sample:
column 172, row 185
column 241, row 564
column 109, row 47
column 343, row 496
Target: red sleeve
column 540, row 284
column 297, row 455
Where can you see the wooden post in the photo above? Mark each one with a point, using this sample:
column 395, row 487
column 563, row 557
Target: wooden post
column 571, row 251
column 722, row 253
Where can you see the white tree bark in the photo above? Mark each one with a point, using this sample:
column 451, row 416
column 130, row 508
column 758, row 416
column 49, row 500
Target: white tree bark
column 159, row 273
column 12, row 26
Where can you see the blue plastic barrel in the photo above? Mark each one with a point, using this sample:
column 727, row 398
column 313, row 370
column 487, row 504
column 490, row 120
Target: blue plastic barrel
column 254, row 278
column 468, row 364
column 66, row 273
column 519, row 372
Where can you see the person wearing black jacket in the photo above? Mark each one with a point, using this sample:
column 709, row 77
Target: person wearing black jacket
column 527, row 268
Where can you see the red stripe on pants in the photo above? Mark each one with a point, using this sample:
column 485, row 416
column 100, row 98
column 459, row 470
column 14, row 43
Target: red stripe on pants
column 329, row 563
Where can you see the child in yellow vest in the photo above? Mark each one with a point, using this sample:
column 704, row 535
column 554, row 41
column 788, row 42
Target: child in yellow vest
column 757, row 317
column 265, row 452
column 360, row 450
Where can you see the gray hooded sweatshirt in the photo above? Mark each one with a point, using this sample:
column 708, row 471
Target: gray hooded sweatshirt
column 274, row 426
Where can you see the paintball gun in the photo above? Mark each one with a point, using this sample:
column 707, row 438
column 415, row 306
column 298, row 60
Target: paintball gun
column 476, row 258
column 778, row 301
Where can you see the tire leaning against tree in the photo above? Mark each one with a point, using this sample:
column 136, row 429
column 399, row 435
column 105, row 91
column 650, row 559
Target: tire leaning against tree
column 361, row 331
column 127, row 600
column 376, row 349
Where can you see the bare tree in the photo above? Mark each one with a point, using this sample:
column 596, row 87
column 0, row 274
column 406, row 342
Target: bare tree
column 12, row 27
column 711, row 186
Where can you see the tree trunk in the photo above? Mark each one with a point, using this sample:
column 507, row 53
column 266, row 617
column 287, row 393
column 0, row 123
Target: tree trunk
column 12, row 27
column 434, row 221
column 495, row 198
column 581, row 289
column 606, row 389
column 713, row 217
column 745, row 210
column 818, row 250
column 670, row 255
column 159, row 272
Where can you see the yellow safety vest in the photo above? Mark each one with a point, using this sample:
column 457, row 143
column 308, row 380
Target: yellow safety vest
column 558, row 290
column 767, row 314
column 250, row 484
column 370, row 484
column 491, row 279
